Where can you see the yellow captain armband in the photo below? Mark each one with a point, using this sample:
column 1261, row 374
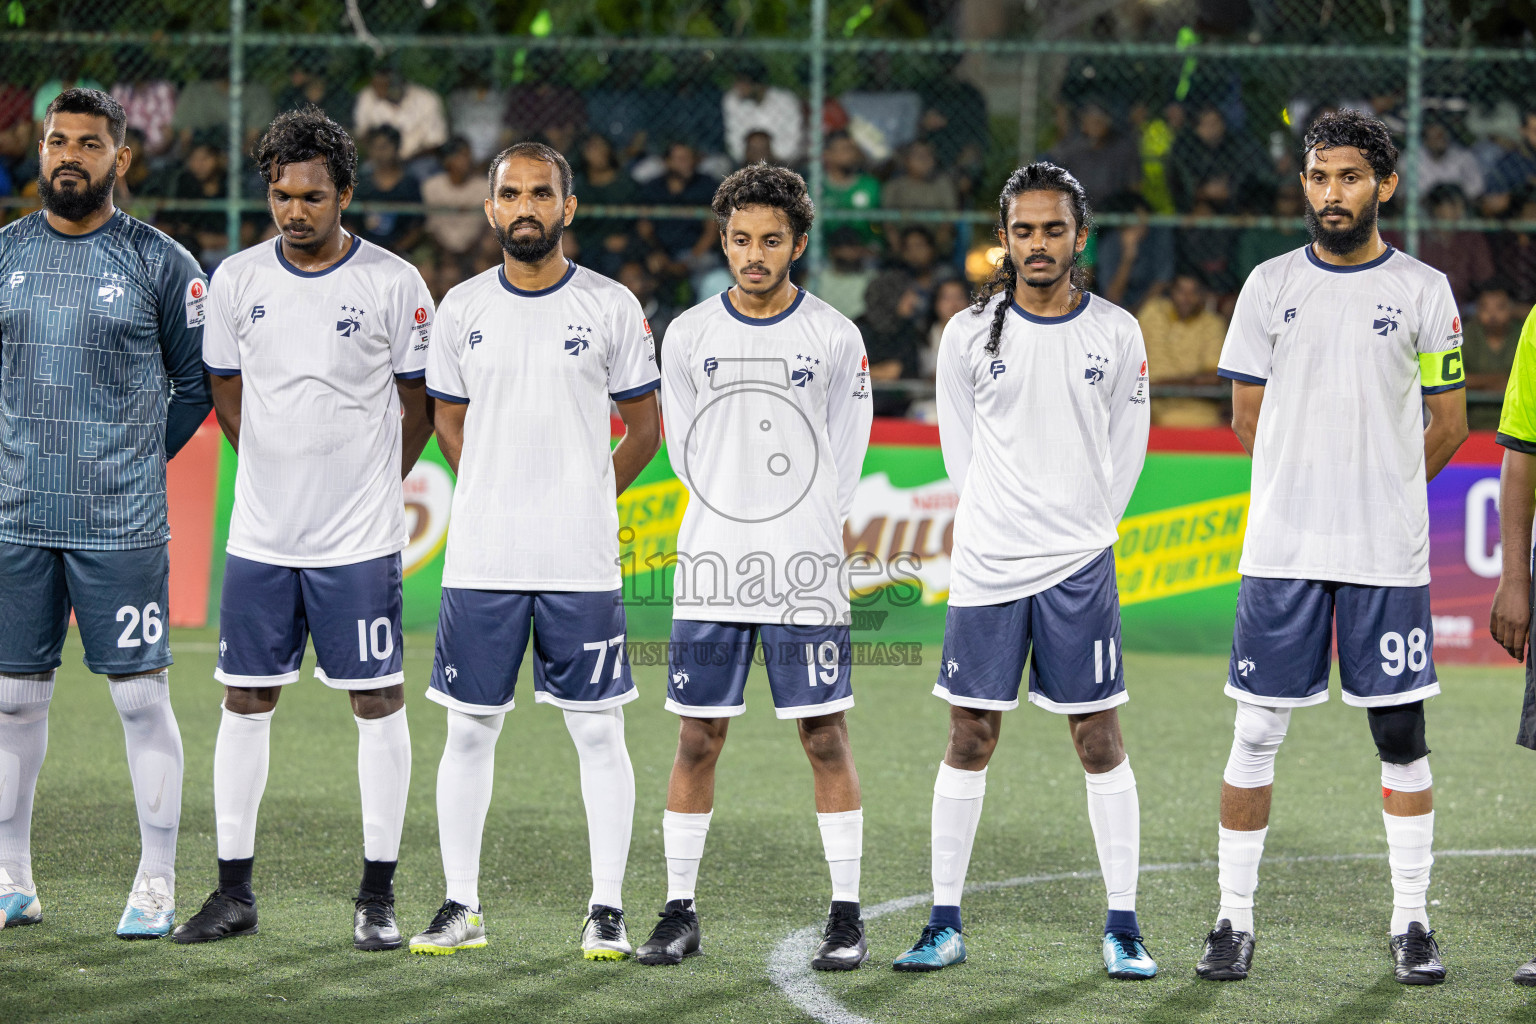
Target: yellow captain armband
column 1442, row 371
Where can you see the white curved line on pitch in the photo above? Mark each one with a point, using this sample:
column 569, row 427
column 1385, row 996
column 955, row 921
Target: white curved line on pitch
column 789, row 964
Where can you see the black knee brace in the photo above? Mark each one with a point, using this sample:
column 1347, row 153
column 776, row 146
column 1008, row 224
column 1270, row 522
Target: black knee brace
column 1399, row 732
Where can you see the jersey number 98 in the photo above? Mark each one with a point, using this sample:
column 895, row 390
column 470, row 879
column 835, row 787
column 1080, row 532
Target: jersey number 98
column 1412, row 656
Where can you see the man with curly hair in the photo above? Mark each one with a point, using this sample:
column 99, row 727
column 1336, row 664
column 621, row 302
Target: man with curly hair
column 1347, row 389
column 765, row 394
column 316, row 347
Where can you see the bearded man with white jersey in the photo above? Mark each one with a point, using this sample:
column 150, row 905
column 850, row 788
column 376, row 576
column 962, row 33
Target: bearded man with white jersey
column 316, row 345
column 1336, row 353
column 1043, row 419
column 525, row 361
column 766, row 393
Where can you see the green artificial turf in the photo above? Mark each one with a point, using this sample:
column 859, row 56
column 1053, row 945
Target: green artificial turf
column 1033, row 946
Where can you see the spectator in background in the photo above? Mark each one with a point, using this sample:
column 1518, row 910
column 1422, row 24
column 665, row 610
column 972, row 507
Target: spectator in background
column 1183, row 339
column 1135, row 261
column 1155, row 138
column 956, row 124
column 18, row 141
column 384, row 178
column 546, row 111
column 846, row 186
column 892, row 338
column 1443, row 162
column 140, row 179
column 413, row 110
column 848, row 273
column 459, row 184
column 759, row 149
column 605, row 242
column 1488, row 348
column 310, row 86
column 203, row 232
column 1255, row 244
column 202, row 109
column 1211, row 156
column 951, row 298
column 922, row 186
column 920, row 261
column 1210, row 250
column 637, row 277
column 751, row 104
column 1464, row 257
column 1513, row 179
column 478, row 113
column 680, row 246
column 1106, row 162
column 150, row 106
column 50, row 90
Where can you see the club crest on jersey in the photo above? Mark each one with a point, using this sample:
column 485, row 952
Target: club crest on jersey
column 1095, row 371
column 450, row 673
column 1245, row 666
column 710, row 365
column 257, row 312
column 803, row 374
column 578, row 342
column 1386, row 323
column 951, row 666
column 997, row 368
column 475, row 338
column 349, row 324
column 680, row 678
column 112, row 290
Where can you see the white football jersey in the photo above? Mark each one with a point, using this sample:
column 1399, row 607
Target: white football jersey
column 1044, row 441
column 535, row 505
column 1338, row 459
column 317, row 354
column 767, row 424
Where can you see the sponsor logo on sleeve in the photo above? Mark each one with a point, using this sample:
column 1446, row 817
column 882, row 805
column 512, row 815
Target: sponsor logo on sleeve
column 423, row 330
column 421, row 315
column 1455, row 325
column 1139, row 395
column 195, row 302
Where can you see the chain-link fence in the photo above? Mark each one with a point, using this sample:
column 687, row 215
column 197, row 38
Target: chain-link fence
column 1183, row 118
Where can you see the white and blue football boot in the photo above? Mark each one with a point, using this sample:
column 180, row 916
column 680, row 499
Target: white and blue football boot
column 1126, row 957
column 18, row 903
column 151, row 910
column 938, row 947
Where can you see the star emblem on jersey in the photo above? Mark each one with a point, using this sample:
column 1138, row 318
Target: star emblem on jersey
column 1095, row 371
column 112, row 290
column 803, row 374
column 680, row 678
column 349, row 323
column 578, row 342
column 1386, row 323
column 1245, row 666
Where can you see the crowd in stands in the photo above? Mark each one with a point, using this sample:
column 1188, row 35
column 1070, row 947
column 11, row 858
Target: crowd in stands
column 423, row 156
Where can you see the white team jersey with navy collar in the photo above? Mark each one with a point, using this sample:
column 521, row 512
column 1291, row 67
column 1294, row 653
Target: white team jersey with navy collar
column 318, row 353
column 1338, row 461
column 1044, row 441
column 767, row 424
column 535, row 507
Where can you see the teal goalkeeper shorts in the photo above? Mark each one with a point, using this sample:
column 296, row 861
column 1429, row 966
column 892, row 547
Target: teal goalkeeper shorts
column 120, row 598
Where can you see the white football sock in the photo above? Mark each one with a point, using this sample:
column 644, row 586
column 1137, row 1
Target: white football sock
column 608, row 793
column 23, row 742
column 1237, row 856
column 1115, row 815
column 240, row 758
column 682, row 837
column 384, row 781
column 464, row 779
column 842, row 839
column 957, row 798
column 155, row 764
column 1409, row 842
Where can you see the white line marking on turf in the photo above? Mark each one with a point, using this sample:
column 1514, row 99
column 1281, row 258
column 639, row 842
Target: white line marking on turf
column 789, row 965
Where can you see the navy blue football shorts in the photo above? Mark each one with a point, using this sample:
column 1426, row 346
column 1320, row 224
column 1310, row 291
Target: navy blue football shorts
column 120, row 599
column 1282, row 643
column 352, row 613
column 579, row 660
column 1070, row 634
column 809, row 668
